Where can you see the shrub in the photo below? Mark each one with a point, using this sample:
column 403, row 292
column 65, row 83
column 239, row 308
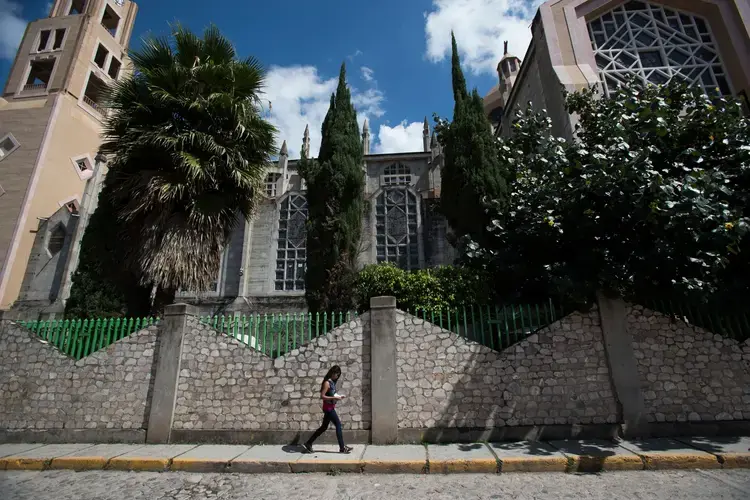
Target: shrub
column 425, row 289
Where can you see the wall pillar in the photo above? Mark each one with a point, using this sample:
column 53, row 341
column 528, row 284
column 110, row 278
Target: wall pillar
column 384, row 389
column 623, row 367
column 171, row 334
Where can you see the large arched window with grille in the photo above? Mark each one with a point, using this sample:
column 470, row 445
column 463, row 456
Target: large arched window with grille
column 656, row 44
column 396, row 228
column 291, row 253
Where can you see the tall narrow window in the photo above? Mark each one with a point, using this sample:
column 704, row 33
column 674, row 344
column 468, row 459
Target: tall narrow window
column 100, row 58
column 110, row 20
column 114, row 68
column 656, row 44
column 43, row 40
column 59, row 37
column 396, row 228
column 77, row 7
column 291, row 256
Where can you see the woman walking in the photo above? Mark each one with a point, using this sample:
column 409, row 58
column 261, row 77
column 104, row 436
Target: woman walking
column 330, row 398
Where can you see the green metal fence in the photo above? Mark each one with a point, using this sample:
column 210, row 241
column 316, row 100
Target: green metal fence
column 728, row 321
column 496, row 327
column 276, row 334
column 79, row 338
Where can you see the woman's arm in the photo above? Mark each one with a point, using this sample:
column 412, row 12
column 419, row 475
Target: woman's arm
column 323, row 391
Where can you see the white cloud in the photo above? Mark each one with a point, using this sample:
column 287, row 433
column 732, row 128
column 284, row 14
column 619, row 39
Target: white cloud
column 367, row 73
column 403, row 138
column 480, row 27
column 12, row 28
column 300, row 96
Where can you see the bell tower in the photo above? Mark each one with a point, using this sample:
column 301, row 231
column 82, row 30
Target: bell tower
column 507, row 72
column 51, row 116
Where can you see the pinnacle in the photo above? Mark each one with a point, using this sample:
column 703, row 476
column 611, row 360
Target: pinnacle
column 307, row 131
column 283, row 151
column 365, row 126
column 426, row 125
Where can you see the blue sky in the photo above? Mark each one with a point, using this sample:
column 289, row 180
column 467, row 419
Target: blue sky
column 397, row 53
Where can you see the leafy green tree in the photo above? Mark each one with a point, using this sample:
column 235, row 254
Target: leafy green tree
column 189, row 150
column 472, row 169
column 650, row 198
column 335, row 198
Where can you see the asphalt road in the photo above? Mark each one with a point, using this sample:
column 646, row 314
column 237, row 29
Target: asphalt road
column 672, row 485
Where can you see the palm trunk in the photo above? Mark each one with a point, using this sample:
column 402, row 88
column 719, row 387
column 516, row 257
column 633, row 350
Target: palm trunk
column 162, row 297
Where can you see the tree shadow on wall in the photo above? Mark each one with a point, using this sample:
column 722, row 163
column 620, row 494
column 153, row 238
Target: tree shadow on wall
column 504, row 396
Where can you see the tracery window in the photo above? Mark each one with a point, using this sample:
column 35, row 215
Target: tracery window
column 657, row 44
column 291, row 254
column 396, row 174
column 396, row 228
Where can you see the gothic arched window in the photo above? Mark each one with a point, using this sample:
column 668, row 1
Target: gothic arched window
column 656, row 44
column 396, row 228
column 291, row 254
column 396, row 174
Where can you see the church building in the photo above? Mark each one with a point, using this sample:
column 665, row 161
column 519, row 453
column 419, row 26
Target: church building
column 50, row 124
column 263, row 268
column 581, row 43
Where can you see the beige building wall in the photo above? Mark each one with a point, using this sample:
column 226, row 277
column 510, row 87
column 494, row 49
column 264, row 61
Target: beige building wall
column 54, row 126
column 27, row 121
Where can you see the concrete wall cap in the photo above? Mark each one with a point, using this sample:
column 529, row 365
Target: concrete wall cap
column 180, row 310
column 383, row 302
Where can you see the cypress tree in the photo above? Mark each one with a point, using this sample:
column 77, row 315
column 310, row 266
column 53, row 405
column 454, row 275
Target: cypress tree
column 472, row 170
column 335, row 199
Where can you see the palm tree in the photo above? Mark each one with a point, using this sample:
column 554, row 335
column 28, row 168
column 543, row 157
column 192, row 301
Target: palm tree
column 189, row 150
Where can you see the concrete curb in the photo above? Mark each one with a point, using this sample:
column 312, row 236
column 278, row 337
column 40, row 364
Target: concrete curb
column 334, row 464
column 479, row 466
column 675, row 461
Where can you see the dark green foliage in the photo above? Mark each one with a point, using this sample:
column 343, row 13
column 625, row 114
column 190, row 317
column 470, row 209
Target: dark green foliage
column 335, row 191
column 101, row 286
column 434, row 289
column 472, row 170
column 651, row 199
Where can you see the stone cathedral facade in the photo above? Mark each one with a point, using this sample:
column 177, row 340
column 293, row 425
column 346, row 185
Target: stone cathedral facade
column 263, row 267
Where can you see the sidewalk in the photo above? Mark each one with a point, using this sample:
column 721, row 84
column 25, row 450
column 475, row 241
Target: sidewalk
column 555, row 456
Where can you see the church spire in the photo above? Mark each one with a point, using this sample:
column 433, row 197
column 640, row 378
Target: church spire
column 365, row 138
column 306, row 142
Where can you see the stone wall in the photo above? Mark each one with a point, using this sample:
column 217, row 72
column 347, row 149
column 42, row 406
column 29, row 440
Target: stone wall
column 687, row 373
column 226, row 385
column 557, row 376
column 42, row 389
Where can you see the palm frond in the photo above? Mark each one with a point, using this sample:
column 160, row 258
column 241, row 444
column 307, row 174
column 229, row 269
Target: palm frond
column 189, row 151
